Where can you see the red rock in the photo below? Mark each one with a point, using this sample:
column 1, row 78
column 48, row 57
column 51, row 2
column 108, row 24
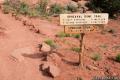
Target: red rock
column 54, row 71
column 45, row 47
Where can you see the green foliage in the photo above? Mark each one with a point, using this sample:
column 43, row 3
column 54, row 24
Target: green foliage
column 7, row 7
column 24, row 8
column 76, row 35
column 42, row 6
column 56, row 9
column 96, row 57
column 76, row 49
column 117, row 58
column 16, row 7
column 33, row 13
column 109, row 6
column 62, row 35
column 50, row 43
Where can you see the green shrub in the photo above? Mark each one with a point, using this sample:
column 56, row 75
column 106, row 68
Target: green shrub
column 76, row 35
column 24, row 8
column 108, row 6
column 96, row 57
column 15, row 6
column 33, row 13
column 50, row 43
column 71, row 7
column 56, row 9
column 62, row 34
column 76, row 49
column 42, row 6
column 117, row 58
column 7, row 7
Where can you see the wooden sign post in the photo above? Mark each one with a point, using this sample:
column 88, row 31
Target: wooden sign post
column 81, row 24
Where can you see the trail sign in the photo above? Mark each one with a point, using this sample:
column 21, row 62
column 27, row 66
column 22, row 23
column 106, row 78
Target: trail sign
column 87, row 18
column 83, row 29
column 83, row 23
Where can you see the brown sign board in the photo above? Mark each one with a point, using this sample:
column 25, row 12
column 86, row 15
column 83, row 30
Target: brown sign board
column 85, row 18
column 83, row 29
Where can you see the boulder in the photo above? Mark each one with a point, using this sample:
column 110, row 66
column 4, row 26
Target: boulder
column 74, row 4
column 54, row 71
column 51, row 69
column 53, row 57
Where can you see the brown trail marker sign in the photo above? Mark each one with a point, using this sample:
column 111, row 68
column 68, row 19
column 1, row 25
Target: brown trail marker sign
column 83, row 23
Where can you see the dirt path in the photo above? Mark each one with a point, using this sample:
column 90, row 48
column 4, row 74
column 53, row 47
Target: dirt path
column 17, row 36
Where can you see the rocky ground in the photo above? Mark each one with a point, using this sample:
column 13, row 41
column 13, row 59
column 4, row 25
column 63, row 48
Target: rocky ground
column 23, row 35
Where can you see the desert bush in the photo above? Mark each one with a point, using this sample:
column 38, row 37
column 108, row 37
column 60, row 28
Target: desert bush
column 62, row 35
column 24, row 8
column 33, row 13
column 50, row 43
column 56, row 9
column 109, row 6
column 96, row 57
column 42, row 6
column 71, row 7
column 76, row 36
column 8, row 7
column 15, row 6
column 76, row 49
column 117, row 58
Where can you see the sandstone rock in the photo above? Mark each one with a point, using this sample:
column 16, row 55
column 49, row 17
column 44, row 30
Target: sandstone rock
column 82, row 3
column 45, row 47
column 74, row 4
column 45, row 66
column 51, row 69
column 54, row 71
column 53, row 57
column 89, row 11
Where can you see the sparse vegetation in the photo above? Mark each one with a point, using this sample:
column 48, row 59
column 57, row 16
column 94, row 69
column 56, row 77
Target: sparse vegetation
column 76, row 49
column 62, row 35
column 42, row 6
column 117, row 58
column 24, row 8
column 96, row 57
column 50, row 43
column 56, row 9
column 15, row 7
column 76, row 36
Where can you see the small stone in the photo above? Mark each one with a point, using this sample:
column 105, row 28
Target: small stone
column 45, row 47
